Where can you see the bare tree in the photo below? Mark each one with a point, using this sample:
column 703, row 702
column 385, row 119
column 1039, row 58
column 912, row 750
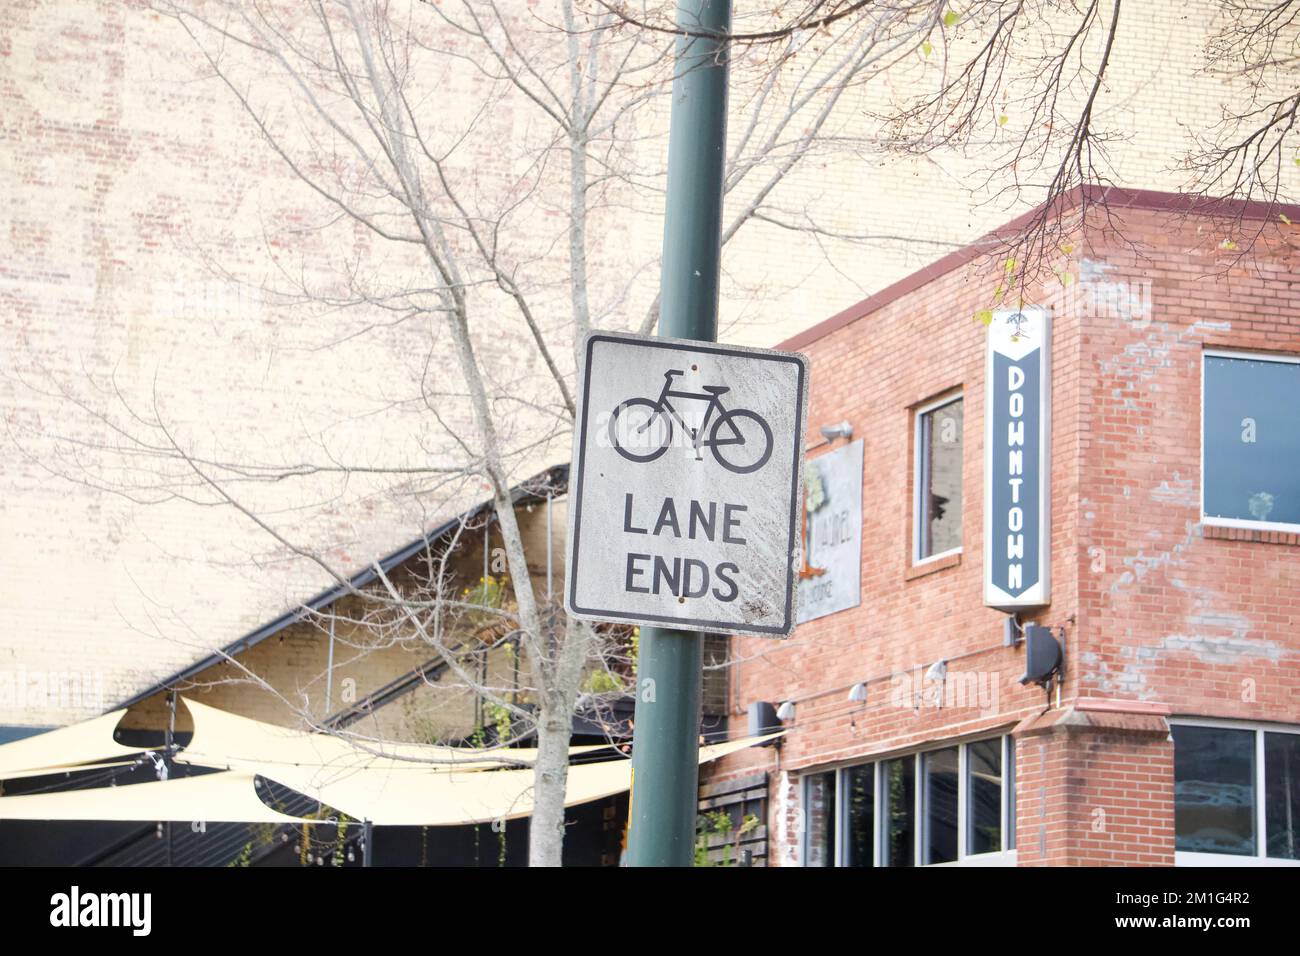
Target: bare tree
column 1015, row 82
column 1255, row 49
column 1021, row 84
column 491, row 159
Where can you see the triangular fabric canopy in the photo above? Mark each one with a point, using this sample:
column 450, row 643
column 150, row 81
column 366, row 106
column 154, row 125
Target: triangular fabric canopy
column 228, row 741
column 79, row 768
column 424, row 796
column 404, row 785
column 228, row 797
column 89, row 741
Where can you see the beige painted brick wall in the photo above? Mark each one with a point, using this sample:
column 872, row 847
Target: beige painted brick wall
column 126, row 175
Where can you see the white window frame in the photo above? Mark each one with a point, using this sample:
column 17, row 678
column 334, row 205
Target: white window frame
column 918, row 473
column 1006, row 856
column 1259, row 858
column 1247, row 523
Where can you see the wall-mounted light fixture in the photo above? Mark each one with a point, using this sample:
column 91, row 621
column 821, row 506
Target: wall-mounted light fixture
column 832, row 432
column 858, row 693
column 785, row 711
column 938, row 671
column 1044, row 655
column 763, row 720
column 839, row 430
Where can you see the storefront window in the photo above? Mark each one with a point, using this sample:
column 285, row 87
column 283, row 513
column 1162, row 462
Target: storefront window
column 984, row 796
column 1214, row 790
column 819, row 819
column 1282, row 795
column 868, row 814
column 898, row 778
column 940, row 772
column 860, row 815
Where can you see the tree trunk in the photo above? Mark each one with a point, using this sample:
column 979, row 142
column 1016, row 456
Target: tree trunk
column 550, row 780
column 554, row 729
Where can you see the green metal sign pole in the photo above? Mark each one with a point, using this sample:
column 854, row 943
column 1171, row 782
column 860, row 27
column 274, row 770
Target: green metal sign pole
column 665, row 743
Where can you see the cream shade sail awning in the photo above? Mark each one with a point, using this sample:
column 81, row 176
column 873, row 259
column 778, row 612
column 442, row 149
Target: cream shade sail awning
column 78, row 768
column 424, row 796
column 228, row 741
column 394, row 788
column 227, row 797
column 85, row 742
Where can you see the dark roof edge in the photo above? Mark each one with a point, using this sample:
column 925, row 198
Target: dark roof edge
column 554, row 479
column 1112, row 196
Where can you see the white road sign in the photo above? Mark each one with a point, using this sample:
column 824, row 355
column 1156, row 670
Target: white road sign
column 685, row 494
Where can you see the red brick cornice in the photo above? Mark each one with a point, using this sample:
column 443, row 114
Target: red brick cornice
column 1122, row 716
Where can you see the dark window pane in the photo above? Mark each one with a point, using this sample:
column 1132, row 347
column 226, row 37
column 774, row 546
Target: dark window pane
column 1214, row 790
column 819, row 810
column 940, row 480
column 1250, row 441
column 860, row 797
column 1011, row 793
column 898, row 778
column 984, row 796
column 939, row 768
column 1282, row 795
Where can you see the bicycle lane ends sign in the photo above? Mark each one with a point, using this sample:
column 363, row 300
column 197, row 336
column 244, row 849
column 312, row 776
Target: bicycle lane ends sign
column 684, row 501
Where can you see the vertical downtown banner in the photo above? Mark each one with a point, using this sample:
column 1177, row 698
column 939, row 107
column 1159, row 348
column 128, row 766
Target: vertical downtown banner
column 831, row 577
column 1017, row 459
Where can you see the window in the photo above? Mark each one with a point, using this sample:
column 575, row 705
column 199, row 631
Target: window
column 819, row 820
column 939, row 773
column 860, row 816
column 938, row 479
column 898, row 777
column 1250, row 447
column 1214, row 798
column 1232, row 784
column 947, row 805
column 1282, row 795
column 984, row 797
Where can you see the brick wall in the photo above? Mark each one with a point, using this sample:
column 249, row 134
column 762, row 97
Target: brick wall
column 1095, row 790
column 1162, row 616
column 137, row 193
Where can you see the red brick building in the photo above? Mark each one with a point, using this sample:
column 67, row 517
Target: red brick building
column 1173, row 479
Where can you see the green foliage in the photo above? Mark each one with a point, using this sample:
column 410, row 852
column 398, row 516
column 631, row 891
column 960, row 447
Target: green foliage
column 490, row 595
column 498, row 718
column 245, row 857
column 717, row 823
column 341, row 837
column 603, row 682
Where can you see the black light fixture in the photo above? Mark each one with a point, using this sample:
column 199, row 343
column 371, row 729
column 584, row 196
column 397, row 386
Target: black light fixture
column 1043, row 655
column 763, row 719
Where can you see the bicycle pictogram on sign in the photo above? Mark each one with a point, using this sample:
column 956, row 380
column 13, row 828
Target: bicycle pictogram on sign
column 641, row 429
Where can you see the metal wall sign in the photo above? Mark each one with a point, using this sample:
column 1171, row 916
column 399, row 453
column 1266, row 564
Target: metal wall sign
column 685, row 502
column 831, row 577
column 1017, row 460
